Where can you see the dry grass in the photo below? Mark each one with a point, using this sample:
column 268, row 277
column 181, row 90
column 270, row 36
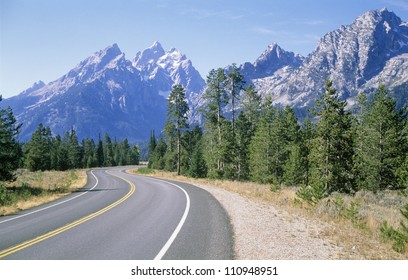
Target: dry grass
column 357, row 232
column 58, row 183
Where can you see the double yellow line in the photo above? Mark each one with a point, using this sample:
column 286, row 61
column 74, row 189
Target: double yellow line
column 43, row 237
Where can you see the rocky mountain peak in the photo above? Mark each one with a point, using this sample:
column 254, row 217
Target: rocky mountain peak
column 148, row 56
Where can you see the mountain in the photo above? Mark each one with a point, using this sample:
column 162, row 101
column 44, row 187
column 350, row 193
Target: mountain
column 357, row 57
column 271, row 60
column 108, row 93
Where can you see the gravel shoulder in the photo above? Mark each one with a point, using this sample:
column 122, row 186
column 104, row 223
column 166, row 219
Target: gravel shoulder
column 262, row 231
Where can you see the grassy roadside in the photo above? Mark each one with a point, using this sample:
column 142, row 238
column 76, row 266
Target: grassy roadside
column 35, row 188
column 354, row 222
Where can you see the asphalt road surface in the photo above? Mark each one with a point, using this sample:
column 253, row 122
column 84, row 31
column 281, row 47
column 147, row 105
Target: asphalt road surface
column 119, row 216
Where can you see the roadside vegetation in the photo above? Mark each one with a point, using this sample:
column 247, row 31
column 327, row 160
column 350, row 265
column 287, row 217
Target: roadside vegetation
column 342, row 165
column 48, row 166
column 35, row 188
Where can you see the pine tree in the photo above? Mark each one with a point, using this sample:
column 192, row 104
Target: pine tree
column 380, row 147
column 108, row 154
column 244, row 134
column 100, row 158
column 10, row 153
column 216, row 97
column 177, row 110
column 332, row 149
column 74, row 150
column 151, row 148
column 235, row 84
column 260, row 154
column 38, row 156
column 251, row 103
column 307, row 136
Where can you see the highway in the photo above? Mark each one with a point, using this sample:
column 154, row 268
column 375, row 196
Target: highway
column 120, row 216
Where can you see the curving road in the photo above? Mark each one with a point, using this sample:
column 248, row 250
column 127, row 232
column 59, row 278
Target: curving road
column 121, row 216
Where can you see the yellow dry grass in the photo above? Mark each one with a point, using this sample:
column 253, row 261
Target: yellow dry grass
column 360, row 237
column 66, row 181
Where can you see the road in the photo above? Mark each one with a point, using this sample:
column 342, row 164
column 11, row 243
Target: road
column 119, row 216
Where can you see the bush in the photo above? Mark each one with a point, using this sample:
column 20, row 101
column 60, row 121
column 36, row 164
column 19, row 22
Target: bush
column 398, row 236
column 6, row 196
column 145, row 171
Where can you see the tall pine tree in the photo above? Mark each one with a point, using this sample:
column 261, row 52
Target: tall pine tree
column 177, row 110
column 332, row 150
column 380, row 146
column 10, row 149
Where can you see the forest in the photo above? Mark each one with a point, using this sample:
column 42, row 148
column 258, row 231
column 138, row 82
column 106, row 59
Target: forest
column 333, row 150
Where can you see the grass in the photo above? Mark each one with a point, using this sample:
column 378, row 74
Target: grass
column 36, row 188
column 354, row 221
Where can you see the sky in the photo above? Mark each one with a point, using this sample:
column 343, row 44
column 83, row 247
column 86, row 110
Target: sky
column 44, row 39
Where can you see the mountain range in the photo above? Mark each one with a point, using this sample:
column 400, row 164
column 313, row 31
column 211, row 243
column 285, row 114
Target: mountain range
column 127, row 98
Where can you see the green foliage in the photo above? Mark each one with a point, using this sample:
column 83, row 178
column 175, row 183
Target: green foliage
column 10, row 151
column 381, row 148
column 177, row 111
column 332, row 148
column 38, row 150
column 145, row 171
column 6, row 197
column 398, row 236
column 312, row 194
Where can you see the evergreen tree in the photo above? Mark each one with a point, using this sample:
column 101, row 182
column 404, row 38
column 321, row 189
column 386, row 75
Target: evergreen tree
column 158, row 160
column 217, row 98
column 380, row 147
column 151, row 148
column 251, row 103
column 244, row 134
column 108, row 154
column 10, row 152
column 294, row 165
column 100, row 156
column 74, row 150
column 235, row 84
column 38, row 156
column 307, row 136
column 177, row 111
column 261, row 153
column 332, row 149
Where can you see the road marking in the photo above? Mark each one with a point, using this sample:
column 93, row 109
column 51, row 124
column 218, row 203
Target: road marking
column 43, row 237
column 166, row 246
column 53, row 205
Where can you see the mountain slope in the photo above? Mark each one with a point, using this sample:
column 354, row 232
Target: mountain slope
column 108, row 93
column 356, row 57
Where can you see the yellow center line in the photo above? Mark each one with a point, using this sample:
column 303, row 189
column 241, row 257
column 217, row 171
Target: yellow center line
column 50, row 234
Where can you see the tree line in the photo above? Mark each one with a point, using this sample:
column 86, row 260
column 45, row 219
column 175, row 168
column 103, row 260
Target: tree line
column 46, row 151
column 332, row 151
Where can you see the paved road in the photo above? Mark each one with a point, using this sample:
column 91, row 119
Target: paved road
column 121, row 216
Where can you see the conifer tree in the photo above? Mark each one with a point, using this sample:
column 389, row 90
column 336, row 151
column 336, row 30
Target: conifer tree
column 38, row 156
column 216, row 97
column 235, row 84
column 10, row 149
column 100, row 157
column 151, row 148
column 252, row 103
column 74, row 150
column 332, row 151
column 261, row 153
column 380, row 147
column 108, row 154
column 177, row 110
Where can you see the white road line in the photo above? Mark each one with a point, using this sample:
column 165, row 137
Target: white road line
column 179, row 226
column 59, row 203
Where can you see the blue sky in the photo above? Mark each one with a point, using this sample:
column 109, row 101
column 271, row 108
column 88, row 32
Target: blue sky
column 43, row 40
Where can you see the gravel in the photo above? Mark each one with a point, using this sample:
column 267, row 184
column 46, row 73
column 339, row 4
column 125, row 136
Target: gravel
column 262, row 231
